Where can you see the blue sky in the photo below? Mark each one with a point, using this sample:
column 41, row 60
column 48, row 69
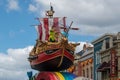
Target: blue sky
column 16, row 31
column 17, row 37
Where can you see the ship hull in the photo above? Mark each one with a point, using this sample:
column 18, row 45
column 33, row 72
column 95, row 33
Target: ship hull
column 52, row 56
column 52, row 65
column 55, row 61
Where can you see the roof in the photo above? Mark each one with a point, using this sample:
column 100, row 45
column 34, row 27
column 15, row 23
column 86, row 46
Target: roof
column 88, row 48
column 102, row 37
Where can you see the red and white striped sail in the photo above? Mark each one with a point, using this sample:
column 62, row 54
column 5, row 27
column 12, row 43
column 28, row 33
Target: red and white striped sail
column 47, row 24
column 39, row 31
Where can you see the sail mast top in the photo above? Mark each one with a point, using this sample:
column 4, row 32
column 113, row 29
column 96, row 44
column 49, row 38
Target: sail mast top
column 50, row 12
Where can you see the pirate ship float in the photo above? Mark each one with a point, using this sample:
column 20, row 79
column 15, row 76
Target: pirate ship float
column 52, row 51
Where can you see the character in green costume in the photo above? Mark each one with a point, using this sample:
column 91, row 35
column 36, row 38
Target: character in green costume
column 52, row 36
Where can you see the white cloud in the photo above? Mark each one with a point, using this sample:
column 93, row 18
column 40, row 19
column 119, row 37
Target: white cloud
column 80, row 47
column 94, row 17
column 13, row 5
column 32, row 8
column 14, row 64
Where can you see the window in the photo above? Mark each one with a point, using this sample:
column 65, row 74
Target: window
column 91, row 72
column 107, row 43
column 83, row 73
column 87, row 73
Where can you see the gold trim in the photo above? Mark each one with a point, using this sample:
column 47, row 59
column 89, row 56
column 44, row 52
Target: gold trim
column 44, row 46
column 62, row 55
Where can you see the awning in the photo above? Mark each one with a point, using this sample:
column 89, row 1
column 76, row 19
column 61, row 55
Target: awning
column 103, row 66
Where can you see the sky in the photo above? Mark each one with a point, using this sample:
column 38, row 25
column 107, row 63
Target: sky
column 17, row 37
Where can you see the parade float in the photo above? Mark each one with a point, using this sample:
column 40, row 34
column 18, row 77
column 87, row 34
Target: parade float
column 52, row 52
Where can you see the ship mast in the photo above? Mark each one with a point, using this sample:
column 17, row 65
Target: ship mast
column 50, row 12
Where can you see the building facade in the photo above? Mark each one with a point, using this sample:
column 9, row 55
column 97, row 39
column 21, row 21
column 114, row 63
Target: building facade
column 107, row 57
column 84, row 64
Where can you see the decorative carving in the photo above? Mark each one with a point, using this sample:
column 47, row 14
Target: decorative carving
column 44, row 46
